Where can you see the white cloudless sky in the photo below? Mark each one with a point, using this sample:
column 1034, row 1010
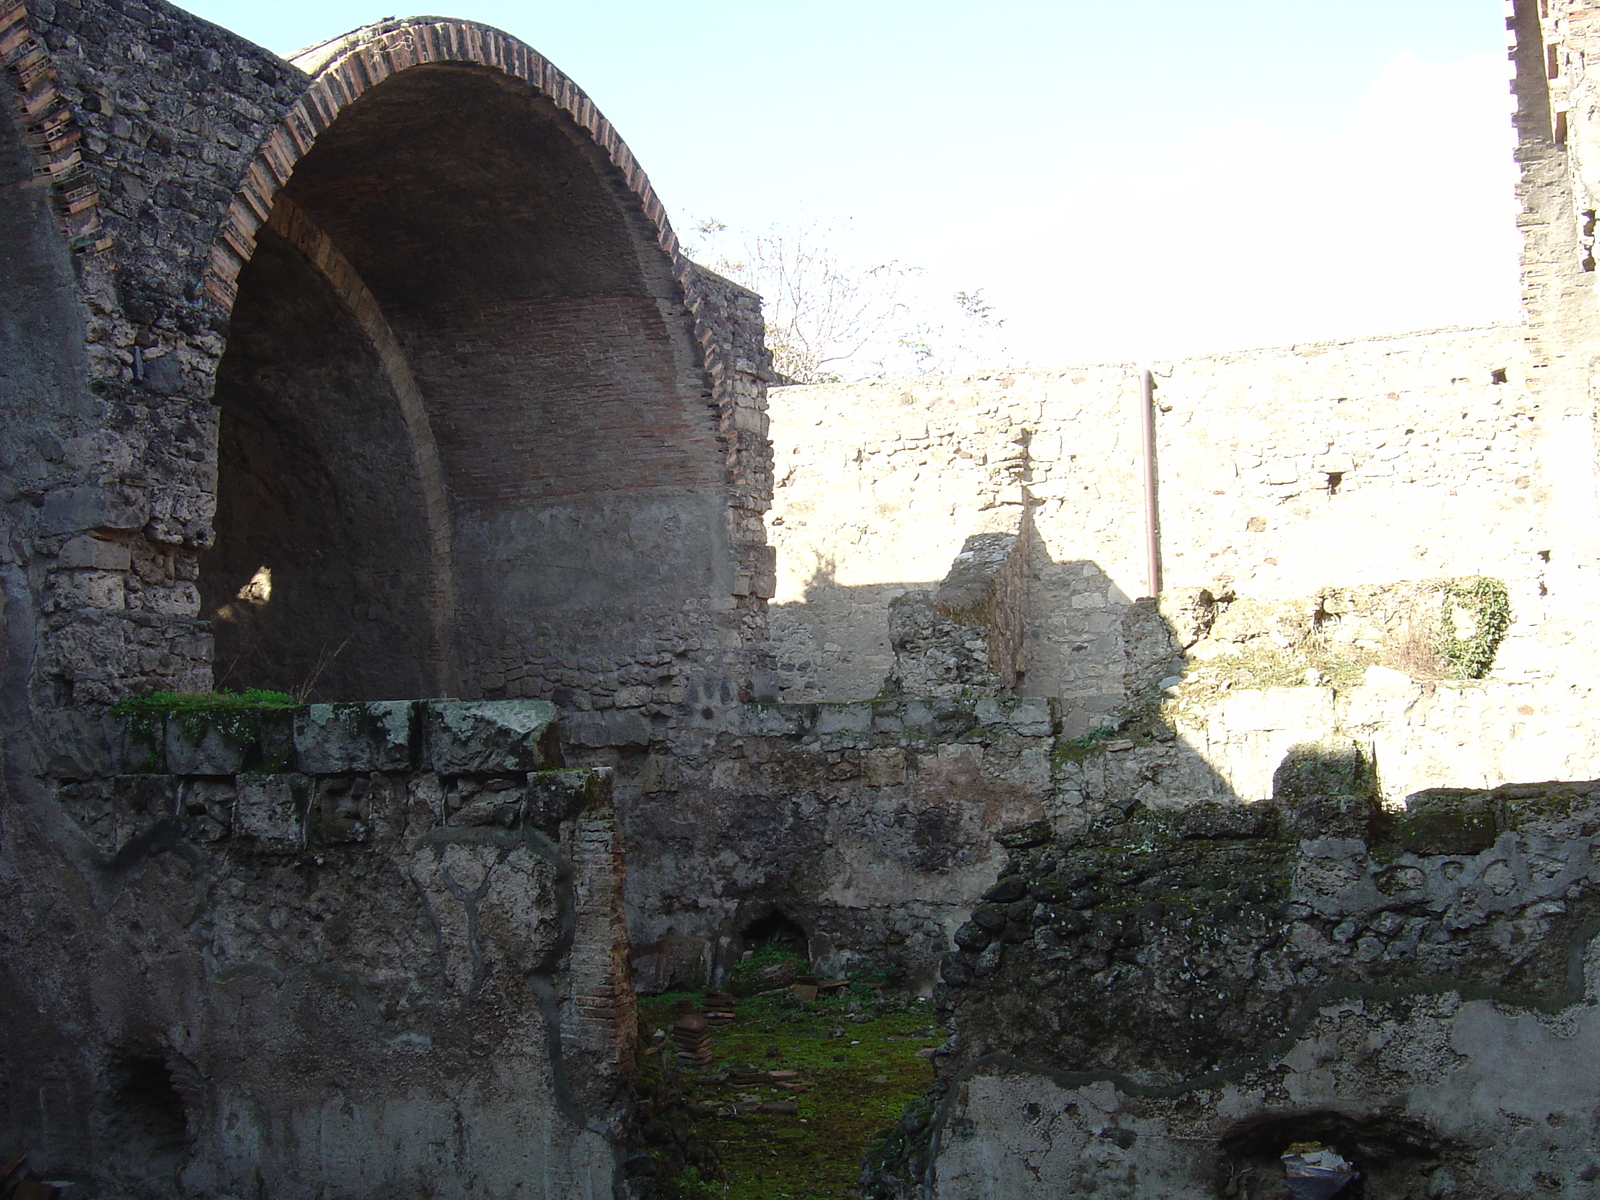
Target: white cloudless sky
column 1121, row 181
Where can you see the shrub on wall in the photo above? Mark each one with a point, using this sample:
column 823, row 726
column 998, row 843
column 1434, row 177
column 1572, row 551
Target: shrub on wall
column 1488, row 607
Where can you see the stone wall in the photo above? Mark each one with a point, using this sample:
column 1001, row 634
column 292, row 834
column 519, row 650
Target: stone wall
column 1279, row 471
column 1280, row 474
column 1165, row 1004
column 869, row 825
column 332, row 948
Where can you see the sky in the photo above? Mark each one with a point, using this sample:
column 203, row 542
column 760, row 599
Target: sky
column 1120, row 182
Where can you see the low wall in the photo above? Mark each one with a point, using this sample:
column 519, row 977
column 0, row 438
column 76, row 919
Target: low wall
column 337, row 949
column 870, row 825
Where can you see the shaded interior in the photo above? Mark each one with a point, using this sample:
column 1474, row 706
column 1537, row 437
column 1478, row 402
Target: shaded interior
column 568, row 465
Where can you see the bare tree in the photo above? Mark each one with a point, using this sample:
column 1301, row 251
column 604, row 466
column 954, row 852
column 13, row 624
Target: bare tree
column 828, row 318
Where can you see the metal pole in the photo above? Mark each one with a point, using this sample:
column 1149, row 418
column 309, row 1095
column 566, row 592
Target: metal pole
column 1152, row 520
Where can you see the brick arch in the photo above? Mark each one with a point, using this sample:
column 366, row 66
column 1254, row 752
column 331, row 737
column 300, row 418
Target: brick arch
column 589, row 400
column 51, row 131
column 343, row 68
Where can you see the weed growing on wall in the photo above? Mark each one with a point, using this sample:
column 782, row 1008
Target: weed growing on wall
column 1486, row 604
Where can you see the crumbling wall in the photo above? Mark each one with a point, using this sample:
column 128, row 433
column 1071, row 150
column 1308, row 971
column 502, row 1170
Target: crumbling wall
column 969, row 637
column 878, row 485
column 344, row 948
column 1166, row 1002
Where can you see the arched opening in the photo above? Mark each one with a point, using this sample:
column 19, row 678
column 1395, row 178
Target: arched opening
column 466, row 438
column 1389, row 1155
column 772, row 951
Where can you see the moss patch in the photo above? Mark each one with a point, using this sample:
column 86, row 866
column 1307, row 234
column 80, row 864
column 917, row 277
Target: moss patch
column 170, row 702
column 857, row 1053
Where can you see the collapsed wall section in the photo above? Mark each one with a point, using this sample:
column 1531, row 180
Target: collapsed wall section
column 1170, row 1003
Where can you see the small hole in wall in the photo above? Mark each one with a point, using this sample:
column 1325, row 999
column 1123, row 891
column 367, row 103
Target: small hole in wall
column 1498, row 375
column 1335, row 481
column 1561, row 129
column 1553, row 61
column 1544, row 556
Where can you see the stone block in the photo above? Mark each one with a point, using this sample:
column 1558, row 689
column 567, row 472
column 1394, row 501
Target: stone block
column 844, row 718
column 274, row 739
column 331, row 739
column 610, row 728
column 500, row 802
column 1333, row 767
column 271, row 810
column 1328, row 816
column 1031, row 717
column 206, row 807
column 778, row 720
column 96, row 507
column 95, row 554
column 1444, row 821
column 886, row 767
column 338, row 814
column 490, row 737
column 138, row 742
column 199, row 743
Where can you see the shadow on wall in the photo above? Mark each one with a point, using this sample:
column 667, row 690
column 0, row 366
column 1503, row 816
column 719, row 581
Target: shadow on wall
column 1087, row 642
column 870, row 826
column 834, row 644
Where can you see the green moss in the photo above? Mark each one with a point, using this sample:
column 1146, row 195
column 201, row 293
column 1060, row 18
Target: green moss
column 236, row 715
column 1079, row 748
column 864, row 1073
column 177, row 702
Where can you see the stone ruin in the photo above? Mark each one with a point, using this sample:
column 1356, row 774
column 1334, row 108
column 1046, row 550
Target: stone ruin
column 1200, row 810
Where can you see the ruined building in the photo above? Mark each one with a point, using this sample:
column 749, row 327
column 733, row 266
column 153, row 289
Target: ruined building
column 1180, row 728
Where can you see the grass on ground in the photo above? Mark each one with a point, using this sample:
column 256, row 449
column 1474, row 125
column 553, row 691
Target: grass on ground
column 857, row 1052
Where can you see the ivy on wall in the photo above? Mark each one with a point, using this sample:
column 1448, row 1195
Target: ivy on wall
column 1486, row 600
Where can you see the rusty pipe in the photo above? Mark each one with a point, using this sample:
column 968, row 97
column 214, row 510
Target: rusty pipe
column 1152, row 517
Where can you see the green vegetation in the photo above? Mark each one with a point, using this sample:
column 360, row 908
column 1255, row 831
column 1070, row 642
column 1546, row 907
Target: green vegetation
column 858, row 1068
column 175, row 702
column 771, row 964
column 1079, row 748
column 1485, row 600
column 237, row 715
